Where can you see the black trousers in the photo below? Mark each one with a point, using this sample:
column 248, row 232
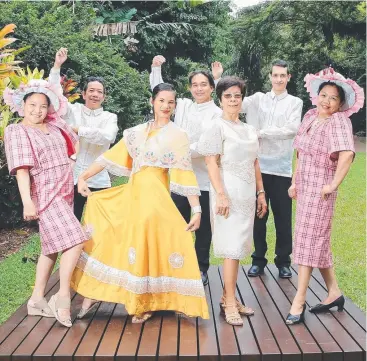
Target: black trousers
column 79, row 201
column 204, row 233
column 276, row 188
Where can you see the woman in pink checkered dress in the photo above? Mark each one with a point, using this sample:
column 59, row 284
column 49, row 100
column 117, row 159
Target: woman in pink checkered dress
column 325, row 152
column 37, row 151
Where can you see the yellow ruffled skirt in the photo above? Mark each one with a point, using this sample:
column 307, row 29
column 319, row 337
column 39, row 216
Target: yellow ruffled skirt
column 140, row 254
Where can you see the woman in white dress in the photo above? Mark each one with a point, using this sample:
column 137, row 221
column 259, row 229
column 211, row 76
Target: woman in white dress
column 230, row 148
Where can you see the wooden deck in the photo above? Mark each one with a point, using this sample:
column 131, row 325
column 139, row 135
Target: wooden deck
column 109, row 335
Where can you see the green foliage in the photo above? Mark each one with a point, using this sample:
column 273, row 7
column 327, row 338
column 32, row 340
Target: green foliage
column 118, row 16
column 47, row 26
column 309, row 35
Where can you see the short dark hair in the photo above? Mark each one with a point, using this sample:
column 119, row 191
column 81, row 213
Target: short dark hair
column 205, row 73
column 90, row 79
column 340, row 90
column 163, row 87
column 30, row 94
column 228, row 82
column 281, row 63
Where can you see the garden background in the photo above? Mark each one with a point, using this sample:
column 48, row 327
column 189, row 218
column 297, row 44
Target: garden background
column 190, row 35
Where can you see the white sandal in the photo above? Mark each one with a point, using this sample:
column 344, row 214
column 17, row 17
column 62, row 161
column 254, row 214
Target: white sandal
column 39, row 308
column 56, row 302
column 84, row 311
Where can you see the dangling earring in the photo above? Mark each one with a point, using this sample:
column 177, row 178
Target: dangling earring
column 173, row 116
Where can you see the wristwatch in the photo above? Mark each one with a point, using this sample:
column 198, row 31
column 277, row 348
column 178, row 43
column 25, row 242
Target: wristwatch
column 260, row 191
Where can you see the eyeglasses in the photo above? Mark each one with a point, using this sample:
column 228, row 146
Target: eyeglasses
column 237, row 96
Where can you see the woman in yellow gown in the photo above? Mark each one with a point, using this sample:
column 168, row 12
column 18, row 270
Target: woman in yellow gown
column 141, row 253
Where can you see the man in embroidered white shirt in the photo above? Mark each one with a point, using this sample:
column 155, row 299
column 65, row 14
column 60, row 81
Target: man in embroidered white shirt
column 97, row 130
column 276, row 115
column 194, row 117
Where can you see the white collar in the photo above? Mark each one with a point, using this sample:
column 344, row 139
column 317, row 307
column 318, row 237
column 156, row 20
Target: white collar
column 92, row 112
column 203, row 106
column 280, row 96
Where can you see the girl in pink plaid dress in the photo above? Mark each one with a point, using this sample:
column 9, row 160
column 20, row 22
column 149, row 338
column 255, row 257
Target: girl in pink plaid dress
column 37, row 151
column 325, row 152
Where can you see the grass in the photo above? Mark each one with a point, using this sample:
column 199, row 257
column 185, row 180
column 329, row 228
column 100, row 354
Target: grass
column 348, row 245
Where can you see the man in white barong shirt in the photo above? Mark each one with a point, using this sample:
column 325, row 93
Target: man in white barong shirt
column 194, row 117
column 276, row 115
column 96, row 128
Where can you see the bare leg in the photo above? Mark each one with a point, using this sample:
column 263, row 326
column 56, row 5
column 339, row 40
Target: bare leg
column 68, row 262
column 230, row 272
column 334, row 292
column 45, row 265
column 304, row 275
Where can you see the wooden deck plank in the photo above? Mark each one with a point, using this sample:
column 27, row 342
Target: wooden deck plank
column 207, row 337
column 288, row 347
column 266, row 341
column 330, row 348
column 168, row 347
column 245, row 337
column 310, row 350
column 55, row 335
column 350, row 336
column 89, row 344
column 188, row 343
column 228, row 347
column 149, row 344
column 69, row 344
column 129, row 343
column 354, row 311
column 108, row 334
column 34, row 338
column 8, row 326
column 111, row 338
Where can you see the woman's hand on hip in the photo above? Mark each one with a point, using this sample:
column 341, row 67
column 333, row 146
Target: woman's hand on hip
column 83, row 188
column 262, row 207
column 292, row 192
column 30, row 211
column 194, row 223
column 222, row 205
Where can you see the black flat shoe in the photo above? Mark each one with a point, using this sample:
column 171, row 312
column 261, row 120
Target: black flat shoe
column 294, row 319
column 255, row 271
column 319, row 308
column 285, row 272
column 204, row 278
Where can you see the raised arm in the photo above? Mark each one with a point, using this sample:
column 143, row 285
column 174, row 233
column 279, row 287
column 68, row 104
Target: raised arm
column 155, row 76
column 248, row 103
column 54, row 78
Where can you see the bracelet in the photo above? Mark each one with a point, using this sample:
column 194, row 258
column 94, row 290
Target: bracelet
column 260, row 191
column 196, row 209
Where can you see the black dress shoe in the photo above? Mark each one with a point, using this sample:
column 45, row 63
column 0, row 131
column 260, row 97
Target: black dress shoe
column 204, row 278
column 285, row 272
column 339, row 302
column 255, row 271
column 294, row 319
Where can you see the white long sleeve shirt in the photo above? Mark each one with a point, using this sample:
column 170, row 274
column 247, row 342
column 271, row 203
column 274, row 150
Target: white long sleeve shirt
column 277, row 118
column 97, row 131
column 194, row 119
